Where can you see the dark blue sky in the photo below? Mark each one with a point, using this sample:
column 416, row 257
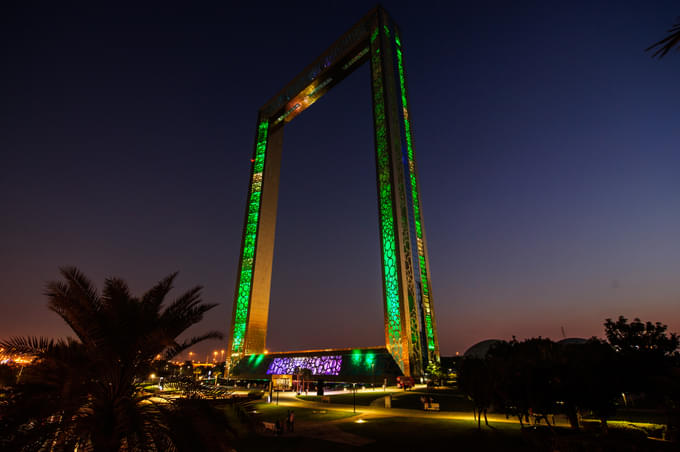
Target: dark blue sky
column 548, row 145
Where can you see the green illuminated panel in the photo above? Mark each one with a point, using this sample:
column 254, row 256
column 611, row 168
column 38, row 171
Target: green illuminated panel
column 387, row 222
column 360, row 359
column 429, row 330
column 247, row 259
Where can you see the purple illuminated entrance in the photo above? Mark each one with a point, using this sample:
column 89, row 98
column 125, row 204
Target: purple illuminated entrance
column 319, row 365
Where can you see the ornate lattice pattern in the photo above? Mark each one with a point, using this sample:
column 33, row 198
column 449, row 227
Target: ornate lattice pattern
column 248, row 257
column 336, row 51
column 319, row 365
column 407, row 258
column 386, row 209
column 429, row 330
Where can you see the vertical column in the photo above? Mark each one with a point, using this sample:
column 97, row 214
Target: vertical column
column 251, row 299
column 256, row 332
column 427, row 306
column 401, row 326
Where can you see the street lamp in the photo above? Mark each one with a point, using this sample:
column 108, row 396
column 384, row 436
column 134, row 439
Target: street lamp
column 354, row 394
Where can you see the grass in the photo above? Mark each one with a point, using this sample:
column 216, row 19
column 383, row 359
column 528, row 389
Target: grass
column 248, row 441
column 634, row 415
column 402, row 433
column 448, row 400
column 362, row 398
column 287, row 444
column 270, row 413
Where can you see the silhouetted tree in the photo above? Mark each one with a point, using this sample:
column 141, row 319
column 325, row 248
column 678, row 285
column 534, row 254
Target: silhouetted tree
column 645, row 349
column 666, row 44
column 476, row 380
column 434, row 370
column 638, row 337
column 511, row 388
column 649, row 356
column 84, row 393
column 528, row 377
column 8, row 375
column 590, row 380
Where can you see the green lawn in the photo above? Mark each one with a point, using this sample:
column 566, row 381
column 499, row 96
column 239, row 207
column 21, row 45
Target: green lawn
column 401, row 433
column 287, row 444
column 448, row 400
column 270, row 412
column 639, row 415
column 362, row 398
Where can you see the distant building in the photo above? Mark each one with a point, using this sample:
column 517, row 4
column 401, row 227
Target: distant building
column 480, row 349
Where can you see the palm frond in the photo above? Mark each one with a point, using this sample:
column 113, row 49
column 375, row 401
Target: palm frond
column 77, row 303
column 115, row 291
column 666, row 44
column 189, row 299
column 29, row 345
column 179, row 348
column 84, row 287
column 154, row 297
column 60, row 302
column 184, row 312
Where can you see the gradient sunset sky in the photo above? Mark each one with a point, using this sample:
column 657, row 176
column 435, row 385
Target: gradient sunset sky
column 548, row 145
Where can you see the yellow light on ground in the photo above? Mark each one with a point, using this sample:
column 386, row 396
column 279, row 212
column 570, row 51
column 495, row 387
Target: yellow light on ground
column 359, row 421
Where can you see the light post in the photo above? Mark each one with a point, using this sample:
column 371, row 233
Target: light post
column 354, row 394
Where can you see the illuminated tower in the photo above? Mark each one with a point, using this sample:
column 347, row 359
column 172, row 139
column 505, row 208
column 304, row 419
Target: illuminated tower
column 410, row 327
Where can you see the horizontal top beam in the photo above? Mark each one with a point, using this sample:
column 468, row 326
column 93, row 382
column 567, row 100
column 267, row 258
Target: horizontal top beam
column 339, row 49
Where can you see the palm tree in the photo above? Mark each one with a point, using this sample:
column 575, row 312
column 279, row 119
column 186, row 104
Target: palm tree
column 83, row 393
column 667, row 43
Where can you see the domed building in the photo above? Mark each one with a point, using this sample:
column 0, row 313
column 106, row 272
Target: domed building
column 572, row 341
column 480, row 349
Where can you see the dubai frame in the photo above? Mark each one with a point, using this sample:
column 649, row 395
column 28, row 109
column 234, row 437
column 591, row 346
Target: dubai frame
column 410, row 327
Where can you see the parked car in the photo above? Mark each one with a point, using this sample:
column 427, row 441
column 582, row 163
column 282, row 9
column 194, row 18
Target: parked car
column 405, row 382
